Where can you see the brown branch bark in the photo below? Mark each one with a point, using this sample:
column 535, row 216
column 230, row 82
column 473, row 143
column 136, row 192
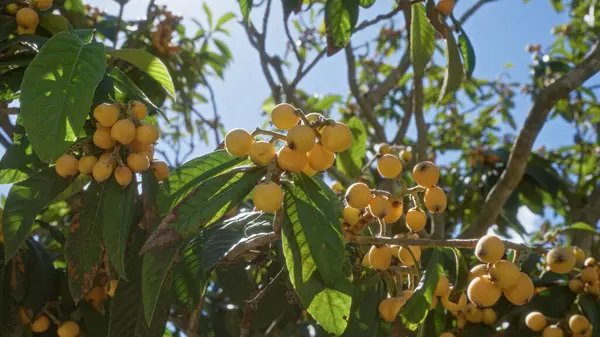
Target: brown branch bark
column 517, row 162
column 404, row 123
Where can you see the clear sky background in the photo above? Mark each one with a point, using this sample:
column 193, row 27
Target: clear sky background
column 499, row 32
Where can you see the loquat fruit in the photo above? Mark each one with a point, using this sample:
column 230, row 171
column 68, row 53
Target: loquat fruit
column 336, row 137
column 389, row 166
column 451, row 306
column 489, row 316
column 314, row 117
column 358, row 195
column 478, row 270
column 365, row 261
column 160, row 170
column 406, row 155
column 426, row 174
column 578, row 323
column 394, row 212
column 26, row 30
column 267, row 197
column 447, row 334
column 561, row 260
column 301, row 138
column 42, row 5
column 102, row 138
column 85, row 165
column 123, row 131
column 138, row 110
column 284, row 116
column 461, row 321
column 111, row 287
column 319, row 158
column 579, row 255
column 262, row 153
column 380, row 258
column 11, row 9
column 473, row 314
column 552, row 331
column 504, row 274
column 106, row 114
column 123, row 176
column 67, row 166
column 443, row 287
column 238, row 142
column 390, row 307
column 379, row 206
column 292, row 161
column 589, row 275
column 576, row 285
column 405, row 256
column 109, row 158
column 137, row 162
column 521, row 292
column 407, row 294
column 25, row 318
column 590, row 261
column 416, row 219
column 351, row 215
column 445, row 7
column 309, row 171
column 435, row 199
column 536, row 321
column 41, row 324
column 383, row 148
column 27, row 17
column 489, row 249
column 146, row 133
column 483, row 292
column 68, row 329
column 592, row 288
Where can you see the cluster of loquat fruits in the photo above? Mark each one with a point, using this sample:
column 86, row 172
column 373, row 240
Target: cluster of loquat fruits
column 25, row 14
column 309, row 146
column 127, row 146
column 67, row 328
column 163, row 34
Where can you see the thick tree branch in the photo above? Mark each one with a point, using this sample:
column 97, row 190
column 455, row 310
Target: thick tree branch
column 366, row 108
column 517, row 162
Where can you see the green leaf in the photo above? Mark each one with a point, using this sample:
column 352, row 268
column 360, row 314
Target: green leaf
column 117, row 218
column 350, row 161
column 7, row 27
column 75, row 6
column 582, row 226
column 10, row 324
column 208, row 13
column 57, row 91
column 590, row 309
column 39, row 267
column 340, row 19
column 212, row 199
column 467, row 52
column 125, row 86
column 329, row 306
column 461, row 281
column 149, row 64
column 417, row 307
column 290, row 6
column 422, row 40
column 95, row 324
column 224, row 19
column 366, row 3
column 364, row 319
column 558, row 5
column 19, row 161
column 454, row 69
column 24, row 202
column 245, row 7
column 157, row 273
column 187, row 177
column 84, row 242
column 55, row 23
column 552, row 302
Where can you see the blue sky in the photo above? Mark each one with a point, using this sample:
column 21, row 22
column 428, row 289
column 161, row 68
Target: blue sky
column 499, row 33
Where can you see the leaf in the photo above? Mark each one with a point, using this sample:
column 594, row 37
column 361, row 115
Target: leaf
column 582, row 226
column 55, row 23
column 590, row 309
column 454, row 69
column 350, row 162
column 245, row 7
column 340, row 19
column 330, row 306
column 10, row 324
column 461, row 281
column 95, row 324
column 558, row 5
column 126, row 86
column 224, row 19
column 7, row 27
column 157, row 270
column 24, row 202
column 117, row 218
column 208, row 13
column 417, row 307
column 84, row 242
column 212, row 199
column 57, row 91
column 290, row 6
column 75, row 6
column 149, row 64
column 19, row 161
column 468, row 53
column 552, row 302
column 364, row 319
column 185, row 178
column 366, row 3
column 39, row 267
column 422, row 40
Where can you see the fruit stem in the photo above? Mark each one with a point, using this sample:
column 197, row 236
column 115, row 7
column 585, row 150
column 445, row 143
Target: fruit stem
column 273, row 134
column 369, row 163
column 50, row 315
column 382, row 193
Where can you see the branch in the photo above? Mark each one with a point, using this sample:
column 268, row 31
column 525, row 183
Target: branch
column 367, row 109
column 458, row 243
column 258, row 42
column 376, row 95
column 377, row 19
column 119, row 19
column 302, row 72
column 466, row 15
column 517, row 162
column 404, row 123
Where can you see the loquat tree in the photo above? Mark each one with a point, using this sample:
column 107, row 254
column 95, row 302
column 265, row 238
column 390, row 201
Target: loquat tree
column 329, row 219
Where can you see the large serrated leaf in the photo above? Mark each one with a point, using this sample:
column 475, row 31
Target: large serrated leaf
column 212, row 199
column 340, row 19
column 84, row 242
column 185, row 178
column 149, row 64
column 128, row 90
column 350, row 161
column 39, row 267
column 330, row 306
column 364, row 319
column 25, row 200
column 415, row 311
column 19, row 161
column 454, row 69
column 590, row 308
column 308, row 202
column 117, row 218
column 468, row 53
column 157, row 274
column 422, row 40
column 57, row 92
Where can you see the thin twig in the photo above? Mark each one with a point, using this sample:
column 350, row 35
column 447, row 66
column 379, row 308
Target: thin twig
column 119, row 20
column 301, row 73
